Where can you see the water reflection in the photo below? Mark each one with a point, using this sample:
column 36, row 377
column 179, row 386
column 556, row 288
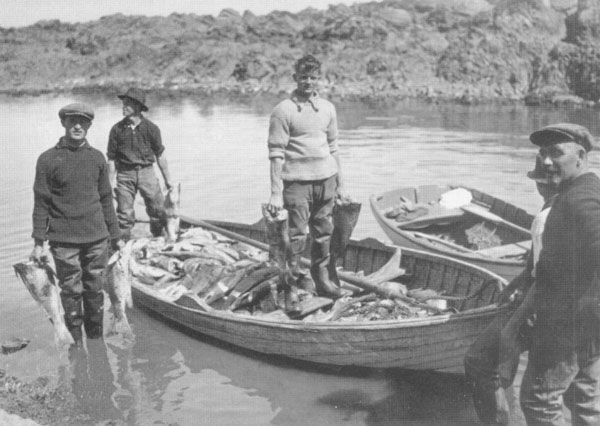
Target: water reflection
column 174, row 376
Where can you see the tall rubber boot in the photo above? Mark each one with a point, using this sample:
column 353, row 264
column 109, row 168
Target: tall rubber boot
column 324, row 286
column 93, row 308
column 289, row 277
column 344, row 217
column 319, row 270
column 73, row 316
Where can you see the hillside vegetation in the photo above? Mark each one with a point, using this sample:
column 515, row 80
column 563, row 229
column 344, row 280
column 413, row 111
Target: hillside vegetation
column 465, row 50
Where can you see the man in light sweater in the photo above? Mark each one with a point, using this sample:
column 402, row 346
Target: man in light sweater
column 306, row 175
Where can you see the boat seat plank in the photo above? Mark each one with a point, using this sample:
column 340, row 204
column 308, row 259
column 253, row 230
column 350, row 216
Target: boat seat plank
column 437, row 215
column 488, row 215
column 508, row 250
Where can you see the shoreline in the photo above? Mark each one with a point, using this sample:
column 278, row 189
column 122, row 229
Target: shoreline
column 353, row 93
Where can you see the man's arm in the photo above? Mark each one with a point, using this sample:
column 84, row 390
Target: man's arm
column 41, row 194
column 112, row 174
column 341, row 188
column 279, row 135
column 106, row 201
column 161, row 161
column 276, row 200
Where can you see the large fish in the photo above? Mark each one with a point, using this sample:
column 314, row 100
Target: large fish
column 39, row 280
column 344, row 217
column 171, row 209
column 118, row 287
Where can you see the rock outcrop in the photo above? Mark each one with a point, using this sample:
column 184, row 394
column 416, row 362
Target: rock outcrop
column 463, row 50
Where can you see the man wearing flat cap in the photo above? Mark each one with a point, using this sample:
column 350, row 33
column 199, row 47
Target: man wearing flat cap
column 134, row 145
column 492, row 360
column 564, row 357
column 73, row 210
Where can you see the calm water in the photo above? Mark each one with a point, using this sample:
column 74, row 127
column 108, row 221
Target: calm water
column 218, row 152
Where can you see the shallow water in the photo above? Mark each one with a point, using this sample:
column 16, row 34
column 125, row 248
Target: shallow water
column 218, row 152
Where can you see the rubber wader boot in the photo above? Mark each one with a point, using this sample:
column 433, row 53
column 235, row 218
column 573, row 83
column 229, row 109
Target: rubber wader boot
column 288, row 279
column 325, row 288
column 93, row 308
column 491, row 405
column 344, row 217
column 73, row 316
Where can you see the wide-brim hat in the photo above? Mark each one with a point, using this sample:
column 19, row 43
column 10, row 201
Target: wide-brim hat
column 563, row 132
column 137, row 95
column 76, row 109
column 538, row 174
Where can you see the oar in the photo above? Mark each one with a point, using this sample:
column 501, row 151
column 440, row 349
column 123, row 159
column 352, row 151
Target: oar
column 391, row 269
column 483, row 213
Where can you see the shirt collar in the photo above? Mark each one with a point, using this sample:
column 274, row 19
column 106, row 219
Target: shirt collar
column 127, row 122
column 63, row 144
column 312, row 100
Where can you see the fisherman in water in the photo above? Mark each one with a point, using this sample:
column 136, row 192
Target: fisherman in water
column 306, row 177
column 134, row 144
column 73, row 210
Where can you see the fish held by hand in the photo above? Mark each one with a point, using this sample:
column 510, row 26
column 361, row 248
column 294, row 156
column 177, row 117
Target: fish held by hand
column 39, row 278
column 118, row 287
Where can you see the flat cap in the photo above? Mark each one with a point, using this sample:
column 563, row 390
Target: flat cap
column 77, row 108
column 563, row 132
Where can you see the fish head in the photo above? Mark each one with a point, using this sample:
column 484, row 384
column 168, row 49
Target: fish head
column 34, row 275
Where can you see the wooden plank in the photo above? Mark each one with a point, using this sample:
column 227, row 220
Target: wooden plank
column 508, row 250
column 485, row 214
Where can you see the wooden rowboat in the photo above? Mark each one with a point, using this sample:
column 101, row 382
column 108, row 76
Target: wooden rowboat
column 426, row 343
column 445, row 231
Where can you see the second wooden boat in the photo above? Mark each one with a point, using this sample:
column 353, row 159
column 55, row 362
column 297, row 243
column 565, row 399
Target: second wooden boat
column 502, row 228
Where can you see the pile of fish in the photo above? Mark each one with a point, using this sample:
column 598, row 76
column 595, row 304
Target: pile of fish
column 207, row 271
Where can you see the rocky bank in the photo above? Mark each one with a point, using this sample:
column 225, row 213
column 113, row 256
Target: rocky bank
column 463, row 50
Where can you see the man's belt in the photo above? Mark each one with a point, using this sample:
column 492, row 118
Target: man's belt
column 127, row 167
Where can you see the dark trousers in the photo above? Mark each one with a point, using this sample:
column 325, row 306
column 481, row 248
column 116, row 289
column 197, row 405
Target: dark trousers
column 310, row 204
column 556, row 372
column 80, row 273
column 482, row 365
column 129, row 182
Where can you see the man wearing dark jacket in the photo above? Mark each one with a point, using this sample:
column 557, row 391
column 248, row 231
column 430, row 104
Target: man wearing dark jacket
column 564, row 358
column 73, row 210
column 134, row 144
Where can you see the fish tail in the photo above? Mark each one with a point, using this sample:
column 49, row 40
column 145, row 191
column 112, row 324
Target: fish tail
column 122, row 326
column 62, row 336
column 129, row 301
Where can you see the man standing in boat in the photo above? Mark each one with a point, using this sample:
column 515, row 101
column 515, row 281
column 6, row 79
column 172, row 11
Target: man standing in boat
column 73, row 210
column 306, row 177
column 492, row 361
column 134, row 144
column 564, row 358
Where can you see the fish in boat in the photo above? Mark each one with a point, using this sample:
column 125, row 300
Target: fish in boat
column 39, row 279
column 344, row 217
column 118, row 286
column 457, row 221
column 431, row 341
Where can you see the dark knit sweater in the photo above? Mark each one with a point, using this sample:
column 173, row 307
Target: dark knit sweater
column 72, row 196
column 567, row 272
